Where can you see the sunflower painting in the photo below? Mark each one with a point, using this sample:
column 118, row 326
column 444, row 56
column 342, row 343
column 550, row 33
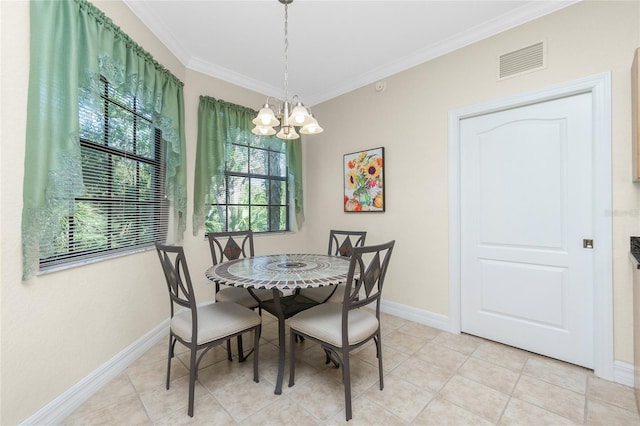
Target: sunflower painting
column 364, row 181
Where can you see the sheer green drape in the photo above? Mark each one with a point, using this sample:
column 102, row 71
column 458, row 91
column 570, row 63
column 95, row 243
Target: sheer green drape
column 72, row 45
column 294, row 163
column 218, row 123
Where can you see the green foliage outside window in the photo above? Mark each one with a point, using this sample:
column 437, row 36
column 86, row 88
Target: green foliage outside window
column 255, row 193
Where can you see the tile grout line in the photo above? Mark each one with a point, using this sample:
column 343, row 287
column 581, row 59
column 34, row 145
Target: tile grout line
column 144, row 407
column 513, row 389
column 528, row 369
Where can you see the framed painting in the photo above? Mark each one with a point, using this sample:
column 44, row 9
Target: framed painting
column 364, row 181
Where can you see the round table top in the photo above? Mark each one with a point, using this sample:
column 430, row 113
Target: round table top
column 282, row 271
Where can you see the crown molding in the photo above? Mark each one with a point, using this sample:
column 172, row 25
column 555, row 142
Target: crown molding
column 496, row 26
column 522, row 15
column 154, row 24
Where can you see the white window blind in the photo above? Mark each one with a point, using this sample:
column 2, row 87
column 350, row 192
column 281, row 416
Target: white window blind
column 124, row 206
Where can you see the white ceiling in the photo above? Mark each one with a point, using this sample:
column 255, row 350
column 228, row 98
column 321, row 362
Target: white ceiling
column 334, row 46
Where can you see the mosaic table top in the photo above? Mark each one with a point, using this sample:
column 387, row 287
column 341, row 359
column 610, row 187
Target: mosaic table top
column 282, row 271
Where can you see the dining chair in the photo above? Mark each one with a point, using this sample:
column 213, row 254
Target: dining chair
column 341, row 328
column 226, row 246
column 341, row 243
column 200, row 327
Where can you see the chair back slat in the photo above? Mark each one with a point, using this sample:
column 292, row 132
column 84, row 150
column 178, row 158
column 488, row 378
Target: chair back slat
column 176, row 272
column 227, row 246
column 342, row 243
column 367, row 272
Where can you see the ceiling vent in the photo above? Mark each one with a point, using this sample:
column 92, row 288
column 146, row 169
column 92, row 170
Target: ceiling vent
column 522, row 61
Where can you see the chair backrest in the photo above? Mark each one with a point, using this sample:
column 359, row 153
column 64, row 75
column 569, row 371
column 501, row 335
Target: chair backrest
column 367, row 270
column 341, row 243
column 230, row 245
column 176, row 272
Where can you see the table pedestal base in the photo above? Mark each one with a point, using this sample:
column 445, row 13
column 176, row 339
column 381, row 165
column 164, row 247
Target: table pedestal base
column 283, row 308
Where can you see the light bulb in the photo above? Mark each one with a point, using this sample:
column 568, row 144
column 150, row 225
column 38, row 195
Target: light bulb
column 299, row 115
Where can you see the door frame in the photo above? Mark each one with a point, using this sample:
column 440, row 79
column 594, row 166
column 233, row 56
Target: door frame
column 599, row 86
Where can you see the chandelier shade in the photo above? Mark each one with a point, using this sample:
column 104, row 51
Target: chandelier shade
column 299, row 116
column 268, row 117
column 263, row 130
column 287, row 133
column 311, row 127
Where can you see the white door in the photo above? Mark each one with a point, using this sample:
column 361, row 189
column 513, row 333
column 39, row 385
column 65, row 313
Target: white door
column 526, row 203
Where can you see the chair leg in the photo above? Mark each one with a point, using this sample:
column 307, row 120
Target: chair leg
column 169, row 356
column 256, row 348
column 328, row 358
column 192, row 380
column 375, row 340
column 346, row 378
column 379, row 350
column 229, row 356
column 241, row 357
column 292, row 357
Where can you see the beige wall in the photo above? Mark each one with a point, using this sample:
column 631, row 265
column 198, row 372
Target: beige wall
column 409, row 119
column 58, row 328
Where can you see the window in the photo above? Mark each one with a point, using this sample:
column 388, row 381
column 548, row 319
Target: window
column 93, row 157
column 255, row 193
column 124, row 207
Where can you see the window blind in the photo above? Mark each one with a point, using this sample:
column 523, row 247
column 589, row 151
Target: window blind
column 124, row 206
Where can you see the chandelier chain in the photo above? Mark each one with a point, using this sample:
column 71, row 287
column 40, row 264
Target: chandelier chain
column 286, row 49
column 288, row 115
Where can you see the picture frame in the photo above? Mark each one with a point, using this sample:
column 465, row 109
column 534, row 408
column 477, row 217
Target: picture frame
column 363, row 174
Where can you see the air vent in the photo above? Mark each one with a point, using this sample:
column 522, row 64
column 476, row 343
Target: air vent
column 521, row 61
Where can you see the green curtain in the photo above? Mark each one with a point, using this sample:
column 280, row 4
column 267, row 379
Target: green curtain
column 72, row 45
column 294, row 163
column 220, row 122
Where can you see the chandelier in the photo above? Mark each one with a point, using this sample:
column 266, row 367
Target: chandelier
column 284, row 115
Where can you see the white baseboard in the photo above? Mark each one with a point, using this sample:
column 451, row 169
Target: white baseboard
column 623, row 373
column 421, row 316
column 60, row 408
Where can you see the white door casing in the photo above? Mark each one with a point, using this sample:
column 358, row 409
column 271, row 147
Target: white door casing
column 599, row 87
column 526, row 279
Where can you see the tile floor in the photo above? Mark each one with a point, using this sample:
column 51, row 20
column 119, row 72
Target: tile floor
column 431, row 377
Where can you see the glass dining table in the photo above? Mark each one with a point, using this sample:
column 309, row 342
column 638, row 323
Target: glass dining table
column 284, row 274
